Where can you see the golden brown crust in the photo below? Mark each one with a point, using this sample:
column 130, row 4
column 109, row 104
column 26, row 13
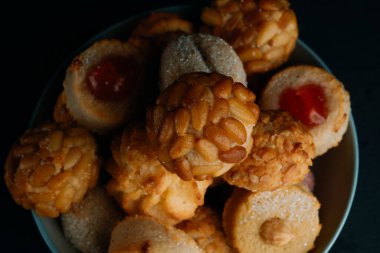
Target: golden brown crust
column 142, row 185
column 206, row 229
column 281, row 154
column 263, row 32
column 285, row 220
column 51, row 167
column 329, row 133
column 202, row 125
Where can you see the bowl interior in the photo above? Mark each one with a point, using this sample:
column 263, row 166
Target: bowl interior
column 335, row 172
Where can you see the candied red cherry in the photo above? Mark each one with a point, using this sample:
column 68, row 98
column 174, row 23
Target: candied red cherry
column 306, row 103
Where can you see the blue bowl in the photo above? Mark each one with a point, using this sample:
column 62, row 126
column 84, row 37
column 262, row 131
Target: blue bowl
column 336, row 172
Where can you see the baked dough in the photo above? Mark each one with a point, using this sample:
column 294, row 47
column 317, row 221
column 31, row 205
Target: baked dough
column 202, row 124
column 281, row 154
column 263, row 33
column 89, row 111
column 329, row 133
column 51, row 167
column 89, row 223
column 205, row 228
column 143, row 186
column 140, row 234
column 199, row 53
column 285, row 220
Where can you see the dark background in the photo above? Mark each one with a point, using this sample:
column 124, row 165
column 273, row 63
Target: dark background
column 36, row 39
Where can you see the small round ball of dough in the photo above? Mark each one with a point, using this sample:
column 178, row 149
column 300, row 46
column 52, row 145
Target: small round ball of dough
column 284, row 220
column 281, row 154
column 263, row 33
column 330, row 132
column 199, row 53
column 51, row 167
column 97, row 99
column 202, row 124
column 141, row 185
column 141, row 234
column 88, row 224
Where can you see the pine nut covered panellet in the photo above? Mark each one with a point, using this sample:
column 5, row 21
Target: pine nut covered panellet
column 316, row 98
column 281, row 154
column 285, row 220
column 51, row 167
column 263, row 32
column 142, row 186
column 202, row 124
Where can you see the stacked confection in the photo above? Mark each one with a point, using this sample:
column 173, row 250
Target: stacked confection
column 205, row 126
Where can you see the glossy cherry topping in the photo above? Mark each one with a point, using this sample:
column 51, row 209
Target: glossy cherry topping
column 112, row 78
column 306, row 103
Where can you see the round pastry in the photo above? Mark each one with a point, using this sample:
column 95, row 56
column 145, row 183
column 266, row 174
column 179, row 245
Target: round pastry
column 141, row 234
column 206, row 229
column 101, row 85
column 262, row 32
column 50, row 168
column 314, row 97
column 281, row 154
column 199, row 53
column 142, row 185
column 202, row 124
column 89, row 223
column 285, row 220
column 155, row 31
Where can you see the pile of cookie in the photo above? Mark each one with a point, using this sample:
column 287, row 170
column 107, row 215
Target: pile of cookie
column 125, row 183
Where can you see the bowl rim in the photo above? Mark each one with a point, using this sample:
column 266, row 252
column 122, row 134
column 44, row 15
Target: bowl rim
column 351, row 128
column 39, row 221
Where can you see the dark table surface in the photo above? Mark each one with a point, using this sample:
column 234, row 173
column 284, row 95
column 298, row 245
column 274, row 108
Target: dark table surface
column 345, row 34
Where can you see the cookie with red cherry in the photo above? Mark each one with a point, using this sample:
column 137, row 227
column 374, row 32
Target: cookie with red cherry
column 102, row 84
column 313, row 96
